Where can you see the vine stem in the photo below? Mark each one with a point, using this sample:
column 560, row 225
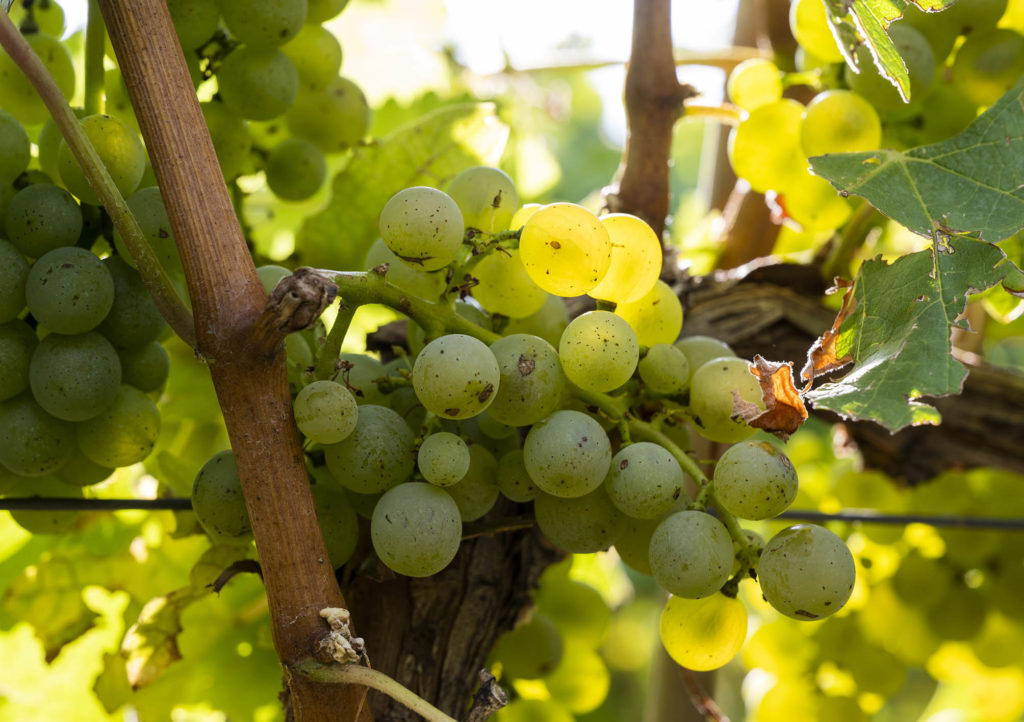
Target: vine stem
column 159, row 284
column 367, row 677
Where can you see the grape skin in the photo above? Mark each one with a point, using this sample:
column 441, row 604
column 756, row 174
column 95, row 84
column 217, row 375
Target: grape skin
column 119, row 148
column 599, row 351
column 645, row 480
column 416, row 529
column 581, row 524
column 41, row 218
column 443, row 458
column 423, row 227
column 376, row 456
column 703, row 634
column 656, row 317
column 326, row 412
column 565, row 249
column 75, row 377
column 124, row 433
column 806, row 572
column 258, row 84
column 635, row 260
column 486, row 196
column 754, row 480
column 665, row 370
column 532, row 382
column 456, row 376
column 568, row 454
column 69, row 290
column 476, row 492
column 17, row 342
column 711, row 398
column 691, row 554
column 217, row 498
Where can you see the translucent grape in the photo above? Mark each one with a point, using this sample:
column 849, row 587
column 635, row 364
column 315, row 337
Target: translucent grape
column 263, row 23
column 808, row 20
column 326, row 412
column 581, row 681
column 134, row 318
column 147, row 206
column 69, row 290
column 217, row 498
column 42, row 217
column 75, row 377
column 145, row 367
column 486, row 196
column 711, row 398
column 505, row 287
column 416, row 529
column 18, row 96
column 599, row 351
column 691, row 554
column 376, row 456
column 257, row 84
column 295, row 169
column 806, row 572
column 15, row 149
column 581, row 524
column 427, row 285
column 635, row 260
column 645, row 480
column 815, row 204
column 568, row 454
column 443, row 458
column 514, row 480
column 665, row 370
column 579, row 610
column 333, row 119
column 17, row 342
column 321, row 10
column 423, row 227
column 316, row 54
column 124, row 433
column 338, row 523
column 120, row 149
column 565, row 249
column 532, row 382
column 548, row 323
column 531, row 650
column 45, row 522
column 703, row 634
column 753, row 83
column 32, row 442
column 839, row 121
column 701, row 349
column 988, row 64
column 476, row 492
column 917, row 55
column 231, row 138
column 456, row 376
column 754, row 480
column 13, row 272
column 764, row 148
column 656, row 317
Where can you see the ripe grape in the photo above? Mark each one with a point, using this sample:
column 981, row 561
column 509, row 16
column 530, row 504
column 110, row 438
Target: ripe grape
column 316, row 54
column 808, row 20
column 69, row 290
column 416, row 529
column 18, row 96
column 75, row 377
column 531, row 650
column 423, row 227
column 134, row 318
column 231, row 138
column 17, row 342
column 41, row 218
column 656, row 317
column 549, row 322
column 815, row 205
column 147, row 205
column 839, row 121
column 513, row 479
column 258, row 84
column 503, row 285
column 764, row 149
column 581, row 524
column 922, row 581
column 15, row 149
column 295, row 169
column 120, row 149
column 443, row 458
column 44, row 522
column 988, row 64
column 970, row 17
column 711, row 398
column 428, row 285
column 456, row 376
column 665, row 370
column 633, row 543
column 333, row 119
column 877, row 89
column 486, row 196
column 13, row 272
column 145, row 367
column 635, row 260
column 195, row 22
column 532, row 382
column 326, row 412
column 581, row 680
column 806, row 572
column 359, row 373
column 701, row 349
column 754, row 480
column 124, row 433
column 599, row 351
column 754, row 82
column 376, row 456
column 32, row 442
column 338, row 523
column 578, row 610
column 217, row 498
column 703, row 634
column 645, row 480
column 321, row 10
column 565, row 249
column 959, row 615
column 568, row 454
column 476, row 492
column 263, row 23
column 691, row 554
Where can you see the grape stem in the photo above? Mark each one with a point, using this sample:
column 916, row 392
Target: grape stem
column 159, row 284
column 726, row 113
column 328, row 354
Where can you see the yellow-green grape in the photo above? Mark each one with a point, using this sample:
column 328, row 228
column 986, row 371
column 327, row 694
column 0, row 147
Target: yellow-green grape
column 124, row 433
column 338, row 522
column 839, row 121
column 416, row 529
column 521, row 216
column 808, row 20
column 75, row 377
column 15, row 149
column 691, row 554
column 258, row 84
column 634, row 543
column 919, row 60
column 476, row 492
column 806, row 572
column 988, row 64
column 456, row 376
column 321, row 10
column 231, row 138
column 974, row 16
column 665, row 370
column 295, row 169
column 376, row 456
column 326, row 412
column 754, row 480
column 423, row 227
column 17, row 343
column 263, row 23
column 18, row 96
column 599, row 351
column 581, row 681
column 703, row 634
column 486, row 196
column 531, row 650
column 579, row 610
column 505, row 287
column 656, row 318
column 635, row 262
column 815, row 204
column 48, row 14
column 316, row 55
column 147, row 205
column 514, row 480
column 754, row 82
column 428, row 285
column 217, row 498
column 44, row 522
column 532, row 384
column 195, row 22
column 922, row 581
column 579, row 525
column 645, row 480
column 568, row 454
column 711, row 398
column 145, row 367
column 765, row 148
column 120, row 149
column 333, row 119
column 69, row 290
column 548, row 323
column 32, row 442
column 565, row 249
column 443, row 458
column 701, row 349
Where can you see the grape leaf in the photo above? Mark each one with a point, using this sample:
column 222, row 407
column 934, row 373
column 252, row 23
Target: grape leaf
column 428, row 151
column 970, row 183
column 899, row 332
column 784, row 410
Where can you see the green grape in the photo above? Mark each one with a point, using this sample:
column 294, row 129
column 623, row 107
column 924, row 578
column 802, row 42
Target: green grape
column 534, row 710
column 645, row 480
column 599, row 351
column 921, row 581
column 567, row 454
column 456, row 376
column 937, row 28
column 48, row 143
column 124, row 433
column 486, row 196
column 45, row 522
column 134, row 318
column 764, row 149
column 635, row 260
column 338, row 523
column 875, row 669
column 503, row 285
column 753, row 83
column 815, row 205
column 217, row 498
column 364, row 504
column 808, row 20
column 476, row 492
column 298, row 358
column 701, row 349
column 703, row 634
column 548, row 323
column 295, row 169
column 970, row 17
column 120, row 149
column 257, row 84
column 691, row 554
column 13, row 273
column 988, row 65
column 656, row 317
column 17, row 342
column 376, row 456
column 999, row 642
column 581, row 524
column 48, row 16
column 32, row 442
column 754, row 480
column 958, row 615
column 443, row 458
column 945, row 112
column 195, row 22
column 231, row 138
column 531, row 650
column 263, row 23
column 41, row 218
column 427, row 285
column 359, row 374
column 147, row 205
column 69, row 290
column 423, row 227
column 581, row 681
column 839, row 121
column 877, row 89
column 633, row 544
column 806, row 572
column 75, row 377
column 270, row 275
column 711, row 398
column 326, row 412
column 18, row 96
column 842, row 709
column 15, row 149
column 566, row 249
column 514, row 480
column 577, row 609
column 531, row 384
column 334, row 119
column 665, row 370
column 321, row 10
column 416, row 529
column 81, row 471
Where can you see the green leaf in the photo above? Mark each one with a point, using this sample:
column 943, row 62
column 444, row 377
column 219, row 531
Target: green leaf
column 150, row 645
column 428, row 151
column 899, row 332
column 970, row 183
